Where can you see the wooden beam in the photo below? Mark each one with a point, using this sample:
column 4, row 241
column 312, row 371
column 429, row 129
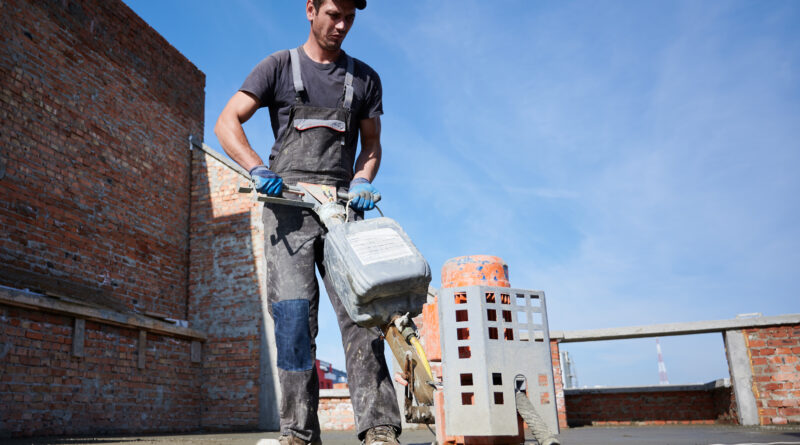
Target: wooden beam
column 58, row 287
column 32, row 300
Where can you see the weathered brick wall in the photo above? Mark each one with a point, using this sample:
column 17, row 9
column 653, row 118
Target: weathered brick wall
column 226, row 288
column 606, row 407
column 44, row 390
column 96, row 109
column 775, row 360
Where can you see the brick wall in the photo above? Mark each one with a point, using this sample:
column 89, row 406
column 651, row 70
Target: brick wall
column 558, row 381
column 336, row 411
column 226, row 288
column 649, row 406
column 725, row 405
column 44, row 390
column 775, row 361
column 96, row 110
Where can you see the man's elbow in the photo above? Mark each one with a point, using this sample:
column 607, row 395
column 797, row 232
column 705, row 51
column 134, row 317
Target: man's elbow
column 218, row 126
column 222, row 127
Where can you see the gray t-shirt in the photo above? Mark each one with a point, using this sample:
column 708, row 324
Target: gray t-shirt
column 271, row 82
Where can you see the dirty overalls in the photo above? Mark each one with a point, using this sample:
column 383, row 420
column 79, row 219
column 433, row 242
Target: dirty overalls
column 319, row 146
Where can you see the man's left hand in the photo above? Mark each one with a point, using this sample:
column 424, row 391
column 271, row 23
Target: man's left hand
column 363, row 195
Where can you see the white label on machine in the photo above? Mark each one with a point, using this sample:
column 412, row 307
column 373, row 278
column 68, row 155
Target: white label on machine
column 374, row 246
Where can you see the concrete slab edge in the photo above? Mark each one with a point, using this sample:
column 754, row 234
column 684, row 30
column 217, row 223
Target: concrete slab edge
column 338, row 393
column 715, row 384
column 667, row 329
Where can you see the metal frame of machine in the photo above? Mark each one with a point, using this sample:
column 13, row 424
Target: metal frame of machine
column 495, row 342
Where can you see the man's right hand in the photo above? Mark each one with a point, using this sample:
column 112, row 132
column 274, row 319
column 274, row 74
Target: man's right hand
column 266, row 181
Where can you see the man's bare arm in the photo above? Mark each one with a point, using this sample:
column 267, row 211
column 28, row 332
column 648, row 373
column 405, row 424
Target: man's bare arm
column 230, row 133
column 369, row 160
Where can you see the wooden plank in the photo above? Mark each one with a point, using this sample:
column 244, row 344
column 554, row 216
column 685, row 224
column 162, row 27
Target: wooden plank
column 32, row 300
column 142, row 348
column 159, row 315
column 78, row 334
column 58, row 287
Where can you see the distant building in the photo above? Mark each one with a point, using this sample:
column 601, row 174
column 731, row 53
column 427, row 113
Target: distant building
column 328, row 375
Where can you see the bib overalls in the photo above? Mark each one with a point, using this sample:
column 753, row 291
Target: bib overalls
column 319, row 146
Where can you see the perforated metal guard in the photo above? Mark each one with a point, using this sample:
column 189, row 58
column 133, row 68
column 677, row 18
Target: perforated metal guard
column 490, row 335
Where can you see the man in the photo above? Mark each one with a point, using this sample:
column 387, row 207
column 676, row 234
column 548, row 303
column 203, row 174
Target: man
column 319, row 100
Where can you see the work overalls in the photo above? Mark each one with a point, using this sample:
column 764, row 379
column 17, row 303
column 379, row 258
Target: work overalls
column 319, row 146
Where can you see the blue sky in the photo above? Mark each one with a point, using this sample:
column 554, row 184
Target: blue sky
column 637, row 161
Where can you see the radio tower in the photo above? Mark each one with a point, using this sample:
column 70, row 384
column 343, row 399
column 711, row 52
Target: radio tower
column 568, row 372
column 662, row 370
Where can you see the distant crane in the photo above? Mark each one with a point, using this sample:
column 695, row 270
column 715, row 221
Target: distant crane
column 662, row 370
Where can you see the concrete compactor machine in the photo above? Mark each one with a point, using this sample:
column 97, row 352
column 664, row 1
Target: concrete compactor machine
column 490, row 366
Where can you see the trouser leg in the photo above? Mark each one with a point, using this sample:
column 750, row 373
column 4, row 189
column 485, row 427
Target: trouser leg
column 292, row 238
column 368, row 377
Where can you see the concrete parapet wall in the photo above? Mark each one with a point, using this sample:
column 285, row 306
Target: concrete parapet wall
column 763, row 357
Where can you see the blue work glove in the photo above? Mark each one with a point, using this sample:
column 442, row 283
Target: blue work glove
column 363, row 195
column 266, row 181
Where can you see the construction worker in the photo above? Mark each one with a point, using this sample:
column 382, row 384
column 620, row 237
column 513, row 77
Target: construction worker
column 320, row 99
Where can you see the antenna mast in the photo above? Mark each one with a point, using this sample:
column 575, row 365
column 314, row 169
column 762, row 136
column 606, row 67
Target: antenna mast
column 662, row 370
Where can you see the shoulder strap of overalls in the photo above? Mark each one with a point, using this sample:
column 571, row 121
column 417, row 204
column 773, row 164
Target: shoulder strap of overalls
column 296, row 78
column 348, row 84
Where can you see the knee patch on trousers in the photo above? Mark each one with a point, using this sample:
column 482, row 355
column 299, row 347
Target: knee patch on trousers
column 292, row 335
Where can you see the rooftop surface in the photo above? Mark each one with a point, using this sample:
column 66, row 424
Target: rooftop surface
column 643, row 435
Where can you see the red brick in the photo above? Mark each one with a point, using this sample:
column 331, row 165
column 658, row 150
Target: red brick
column 785, row 377
column 33, row 335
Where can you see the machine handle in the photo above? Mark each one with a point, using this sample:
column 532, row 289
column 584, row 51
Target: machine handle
column 340, row 194
column 295, row 190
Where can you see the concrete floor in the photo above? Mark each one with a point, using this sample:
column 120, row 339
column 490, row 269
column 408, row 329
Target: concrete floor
column 668, row 435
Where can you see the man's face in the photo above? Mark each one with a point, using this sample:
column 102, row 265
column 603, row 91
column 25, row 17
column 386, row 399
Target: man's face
column 331, row 22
